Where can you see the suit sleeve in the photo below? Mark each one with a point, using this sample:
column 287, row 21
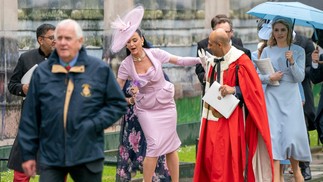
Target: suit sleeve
column 316, row 75
column 309, row 48
column 14, row 85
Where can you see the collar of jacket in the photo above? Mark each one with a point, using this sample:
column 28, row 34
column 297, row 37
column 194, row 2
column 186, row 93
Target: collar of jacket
column 42, row 53
column 79, row 67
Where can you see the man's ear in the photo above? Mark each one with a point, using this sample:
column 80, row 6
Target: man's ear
column 40, row 40
column 81, row 41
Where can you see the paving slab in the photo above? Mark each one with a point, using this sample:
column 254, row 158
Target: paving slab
column 186, row 169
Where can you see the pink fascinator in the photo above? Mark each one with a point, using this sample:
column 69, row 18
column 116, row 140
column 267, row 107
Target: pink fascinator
column 125, row 27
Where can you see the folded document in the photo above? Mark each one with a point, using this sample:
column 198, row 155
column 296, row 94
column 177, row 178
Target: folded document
column 266, row 68
column 27, row 76
column 224, row 105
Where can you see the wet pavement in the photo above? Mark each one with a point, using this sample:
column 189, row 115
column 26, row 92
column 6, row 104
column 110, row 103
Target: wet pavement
column 186, row 169
column 316, row 167
column 317, row 164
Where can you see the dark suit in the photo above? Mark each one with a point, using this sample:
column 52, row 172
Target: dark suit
column 309, row 109
column 199, row 70
column 26, row 61
column 316, row 76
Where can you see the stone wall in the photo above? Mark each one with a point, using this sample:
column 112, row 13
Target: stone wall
column 167, row 25
column 175, row 26
column 175, row 30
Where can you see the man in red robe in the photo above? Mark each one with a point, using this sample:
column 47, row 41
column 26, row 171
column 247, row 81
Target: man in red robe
column 237, row 148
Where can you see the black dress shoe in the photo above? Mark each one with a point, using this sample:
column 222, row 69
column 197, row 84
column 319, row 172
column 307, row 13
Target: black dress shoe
column 306, row 172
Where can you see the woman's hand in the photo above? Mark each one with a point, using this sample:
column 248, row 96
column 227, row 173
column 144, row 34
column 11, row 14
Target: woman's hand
column 130, row 100
column 134, row 90
column 289, row 57
column 276, row 76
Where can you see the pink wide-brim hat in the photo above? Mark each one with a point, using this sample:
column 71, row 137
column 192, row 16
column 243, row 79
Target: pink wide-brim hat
column 125, row 27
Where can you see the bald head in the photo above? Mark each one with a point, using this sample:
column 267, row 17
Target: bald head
column 219, row 42
column 221, row 36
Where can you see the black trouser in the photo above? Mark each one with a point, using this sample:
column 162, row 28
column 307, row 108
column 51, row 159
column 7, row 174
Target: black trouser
column 304, row 165
column 81, row 173
column 319, row 128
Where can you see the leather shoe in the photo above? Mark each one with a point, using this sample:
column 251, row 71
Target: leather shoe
column 306, row 172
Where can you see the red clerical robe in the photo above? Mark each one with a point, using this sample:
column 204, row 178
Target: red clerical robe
column 239, row 147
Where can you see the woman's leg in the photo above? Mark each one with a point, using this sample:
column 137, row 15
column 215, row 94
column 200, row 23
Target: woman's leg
column 297, row 171
column 149, row 166
column 173, row 165
column 276, row 171
column 282, row 169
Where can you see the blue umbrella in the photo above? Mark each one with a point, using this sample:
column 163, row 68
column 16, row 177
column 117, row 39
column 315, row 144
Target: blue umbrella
column 300, row 13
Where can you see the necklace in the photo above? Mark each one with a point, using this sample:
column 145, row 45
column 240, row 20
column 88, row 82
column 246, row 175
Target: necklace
column 140, row 58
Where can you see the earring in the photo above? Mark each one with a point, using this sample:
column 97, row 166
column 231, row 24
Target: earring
column 142, row 43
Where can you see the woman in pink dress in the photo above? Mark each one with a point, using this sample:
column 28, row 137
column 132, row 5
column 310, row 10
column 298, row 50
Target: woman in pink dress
column 152, row 94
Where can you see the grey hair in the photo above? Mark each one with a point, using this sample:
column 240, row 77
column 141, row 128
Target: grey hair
column 77, row 27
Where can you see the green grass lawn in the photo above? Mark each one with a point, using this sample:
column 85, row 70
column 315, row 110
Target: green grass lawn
column 186, row 154
column 188, row 109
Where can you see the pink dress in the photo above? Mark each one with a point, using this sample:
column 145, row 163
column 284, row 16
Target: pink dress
column 155, row 105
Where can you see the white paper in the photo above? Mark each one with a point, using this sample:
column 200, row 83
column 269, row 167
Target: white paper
column 266, row 68
column 224, row 105
column 27, row 76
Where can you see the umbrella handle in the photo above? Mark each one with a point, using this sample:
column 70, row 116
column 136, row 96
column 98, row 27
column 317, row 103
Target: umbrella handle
column 291, row 31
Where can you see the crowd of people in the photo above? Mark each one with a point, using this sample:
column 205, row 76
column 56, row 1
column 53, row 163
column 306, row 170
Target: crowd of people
column 73, row 97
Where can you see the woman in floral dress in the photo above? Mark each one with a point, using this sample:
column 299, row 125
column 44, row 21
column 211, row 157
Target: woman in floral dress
column 132, row 148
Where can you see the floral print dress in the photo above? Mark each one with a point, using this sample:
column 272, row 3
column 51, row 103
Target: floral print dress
column 132, row 149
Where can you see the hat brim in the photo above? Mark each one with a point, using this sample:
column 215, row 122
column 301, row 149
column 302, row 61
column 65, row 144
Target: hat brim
column 121, row 36
column 265, row 33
